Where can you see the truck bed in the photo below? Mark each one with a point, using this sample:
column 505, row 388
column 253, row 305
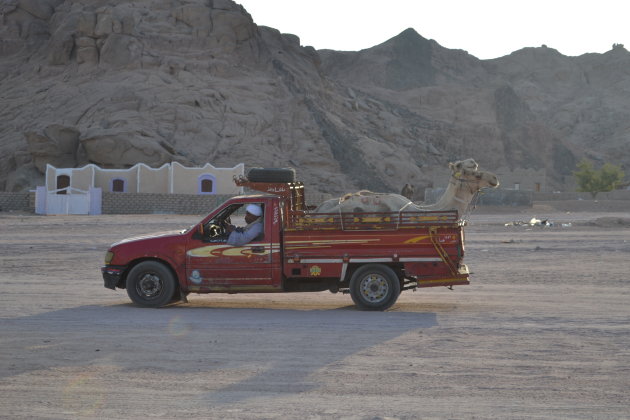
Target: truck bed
column 426, row 245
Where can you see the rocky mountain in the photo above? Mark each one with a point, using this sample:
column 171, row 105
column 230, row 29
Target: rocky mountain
column 120, row 82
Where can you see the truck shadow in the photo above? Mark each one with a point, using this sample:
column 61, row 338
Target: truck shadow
column 238, row 353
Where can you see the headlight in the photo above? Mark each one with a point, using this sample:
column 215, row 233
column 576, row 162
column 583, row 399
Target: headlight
column 109, row 256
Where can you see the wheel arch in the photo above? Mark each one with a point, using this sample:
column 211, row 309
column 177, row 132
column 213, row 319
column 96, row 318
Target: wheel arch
column 122, row 283
column 352, row 267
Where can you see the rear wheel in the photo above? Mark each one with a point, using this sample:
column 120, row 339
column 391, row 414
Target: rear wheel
column 151, row 283
column 374, row 287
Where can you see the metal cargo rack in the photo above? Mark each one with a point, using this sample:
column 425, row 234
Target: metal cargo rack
column 372, row 221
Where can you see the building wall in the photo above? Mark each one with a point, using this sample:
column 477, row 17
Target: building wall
column 16, row 201
column 505, row 197
column 185, row 180
column 82, row 178
column 522, row 179
column 103, row 178
column 49, row 178
column 154, row 180
column 489, row 197
column 143, row 203
column 559, row 196
column 134, row 203
column 169, row 178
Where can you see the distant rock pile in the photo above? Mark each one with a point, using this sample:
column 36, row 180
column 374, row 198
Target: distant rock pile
column 120, row 82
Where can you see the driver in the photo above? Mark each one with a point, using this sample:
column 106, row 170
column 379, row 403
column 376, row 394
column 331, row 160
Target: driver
column 240, row 236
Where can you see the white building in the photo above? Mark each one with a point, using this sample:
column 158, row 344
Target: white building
column 171, row 178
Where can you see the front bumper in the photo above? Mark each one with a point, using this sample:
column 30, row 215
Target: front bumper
column 112, row 276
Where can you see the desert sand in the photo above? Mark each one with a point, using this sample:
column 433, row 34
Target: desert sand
column 542, row 331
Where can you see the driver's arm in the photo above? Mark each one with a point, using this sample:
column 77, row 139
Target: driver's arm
column 227, row 225
column 237, row 238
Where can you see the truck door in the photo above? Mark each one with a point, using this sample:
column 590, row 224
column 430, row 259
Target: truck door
column 213, row 265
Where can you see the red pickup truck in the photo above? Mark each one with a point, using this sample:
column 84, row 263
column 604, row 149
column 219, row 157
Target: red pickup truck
column 373, row 257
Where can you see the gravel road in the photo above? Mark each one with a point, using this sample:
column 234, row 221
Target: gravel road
column 543, row 332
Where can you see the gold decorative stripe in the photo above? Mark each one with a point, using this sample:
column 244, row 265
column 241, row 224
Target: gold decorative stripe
column 333, row 241
column 416, row 239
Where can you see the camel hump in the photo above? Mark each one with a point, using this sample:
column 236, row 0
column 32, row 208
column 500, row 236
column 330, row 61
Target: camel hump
column 362, row 193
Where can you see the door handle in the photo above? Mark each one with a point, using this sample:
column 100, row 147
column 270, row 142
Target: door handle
column 258, row 249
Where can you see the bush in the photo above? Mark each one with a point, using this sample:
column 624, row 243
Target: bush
column 607, row 178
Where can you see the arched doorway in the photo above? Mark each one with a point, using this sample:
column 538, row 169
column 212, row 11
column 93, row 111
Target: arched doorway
column 63, row 182
column 206, row 184
column 118, row 185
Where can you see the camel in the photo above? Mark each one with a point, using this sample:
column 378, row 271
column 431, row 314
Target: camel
column 465, row 181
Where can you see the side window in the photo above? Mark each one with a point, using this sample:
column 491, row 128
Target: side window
column 63, row 182
column 206, row 184
column 118, row 185
column 238, row 216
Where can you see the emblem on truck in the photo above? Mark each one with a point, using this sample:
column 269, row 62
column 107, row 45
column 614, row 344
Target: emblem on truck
column 195, row 277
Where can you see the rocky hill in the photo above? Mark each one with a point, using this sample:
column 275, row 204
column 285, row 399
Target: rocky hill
column 194, row 81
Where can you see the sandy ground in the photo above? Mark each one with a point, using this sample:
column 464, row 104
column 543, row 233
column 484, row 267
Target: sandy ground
column 543, row 331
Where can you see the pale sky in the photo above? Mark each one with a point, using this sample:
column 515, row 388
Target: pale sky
column 484, row 28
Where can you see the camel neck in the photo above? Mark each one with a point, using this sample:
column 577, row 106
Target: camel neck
column 456, row 197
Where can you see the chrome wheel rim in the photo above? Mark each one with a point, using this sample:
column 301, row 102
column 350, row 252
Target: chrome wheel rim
column 149, row 286
column 374, row 288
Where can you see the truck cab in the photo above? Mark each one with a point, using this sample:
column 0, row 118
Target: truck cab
column 199, row 257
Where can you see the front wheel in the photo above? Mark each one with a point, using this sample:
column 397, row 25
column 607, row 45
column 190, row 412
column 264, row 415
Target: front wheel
column 374, row 287
column 150, row 283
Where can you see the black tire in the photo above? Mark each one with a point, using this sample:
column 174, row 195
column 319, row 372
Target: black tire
column 151, row 284
column 374, row 287
column 271, row 175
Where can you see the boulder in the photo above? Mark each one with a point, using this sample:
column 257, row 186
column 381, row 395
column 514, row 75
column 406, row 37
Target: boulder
column 66, row 138
column 196, row 16
column 86, row 51
column 60, row 50
column 8, row 6
column 86, row 24
column 121, row 148
column 23, row 178
column 62, row 41
column 120, row 51
column 41, row 9
column 57, row 146
column 104, row 24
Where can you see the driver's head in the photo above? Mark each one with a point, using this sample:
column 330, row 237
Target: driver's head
column 252, row 212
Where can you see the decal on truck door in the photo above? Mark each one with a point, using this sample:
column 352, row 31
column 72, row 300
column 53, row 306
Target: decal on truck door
column 218, row 251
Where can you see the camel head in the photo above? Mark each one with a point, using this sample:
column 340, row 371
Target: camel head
column 466, row 171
